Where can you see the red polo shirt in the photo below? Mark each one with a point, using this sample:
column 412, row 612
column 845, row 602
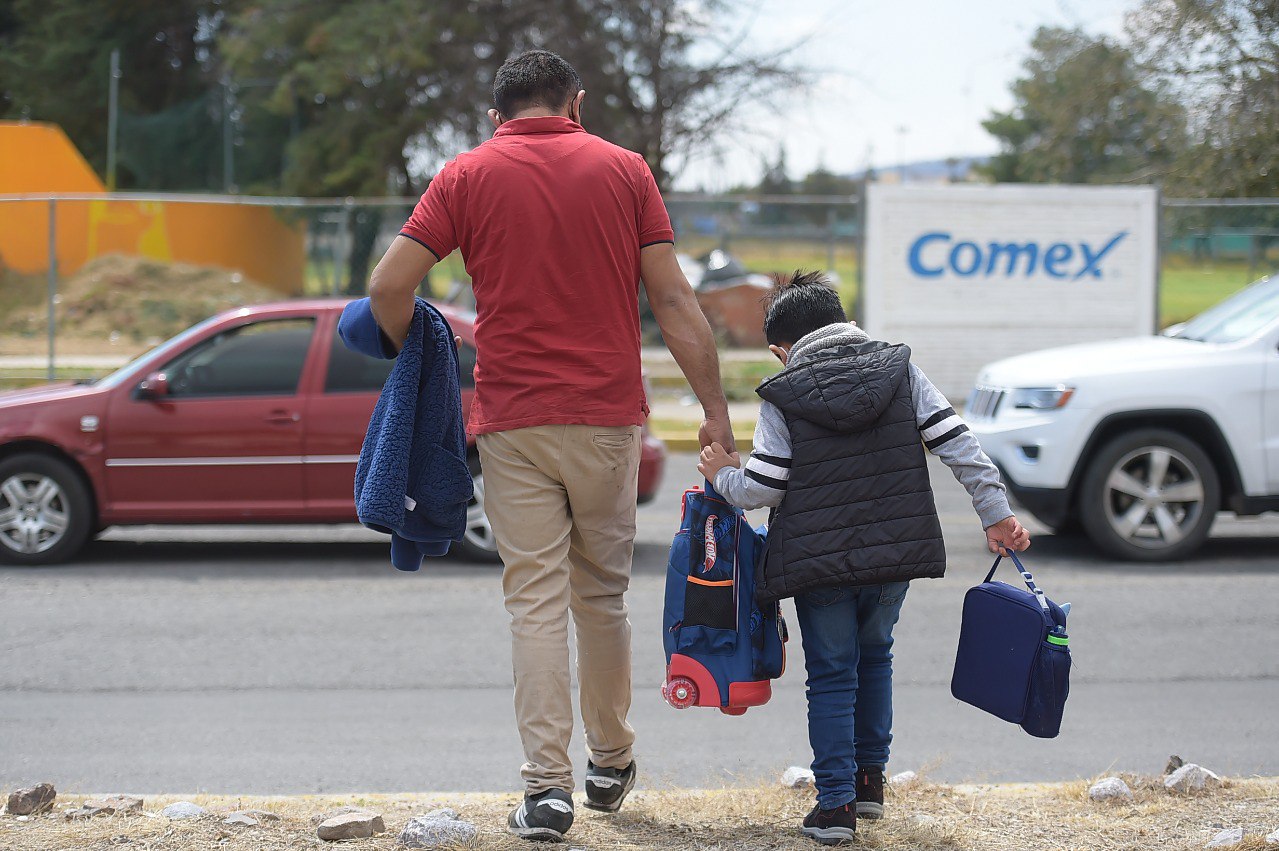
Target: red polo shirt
column 550, row 221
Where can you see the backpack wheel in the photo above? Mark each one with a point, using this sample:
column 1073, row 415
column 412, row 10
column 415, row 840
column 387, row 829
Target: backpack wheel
column 680, row 692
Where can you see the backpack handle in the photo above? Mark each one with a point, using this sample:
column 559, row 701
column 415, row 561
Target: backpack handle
column 1025, row 575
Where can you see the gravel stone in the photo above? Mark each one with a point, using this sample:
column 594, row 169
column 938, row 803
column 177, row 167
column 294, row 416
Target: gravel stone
column 1190, row 778
column 796, row 777
column 240, row 820
column 438, row 828
column 901, row 778
column 32, row 800
column 350, row 826
column 1273, row 838
column 182, row 810
column 1110, row 789
column 1227, row 838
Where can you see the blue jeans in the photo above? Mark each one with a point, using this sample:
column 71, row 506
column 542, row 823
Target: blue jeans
column 848, row 639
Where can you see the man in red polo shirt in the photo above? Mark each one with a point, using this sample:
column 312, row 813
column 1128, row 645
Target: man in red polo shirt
column 558, row 228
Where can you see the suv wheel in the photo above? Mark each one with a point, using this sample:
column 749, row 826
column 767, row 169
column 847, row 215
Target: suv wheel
column 45, row 510
column 478, row 543
column 1150, row 495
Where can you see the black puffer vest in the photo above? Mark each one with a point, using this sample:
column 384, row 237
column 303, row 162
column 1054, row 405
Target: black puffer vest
column 858, row 508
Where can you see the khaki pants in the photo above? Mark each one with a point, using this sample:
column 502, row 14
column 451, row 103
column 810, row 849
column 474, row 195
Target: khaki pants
column 561, row 500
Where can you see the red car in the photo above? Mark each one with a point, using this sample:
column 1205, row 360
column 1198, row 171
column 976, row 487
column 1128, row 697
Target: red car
column 255, row 415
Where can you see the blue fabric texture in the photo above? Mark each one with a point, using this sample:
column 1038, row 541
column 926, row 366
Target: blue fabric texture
column 412, row 480
column 848, row 640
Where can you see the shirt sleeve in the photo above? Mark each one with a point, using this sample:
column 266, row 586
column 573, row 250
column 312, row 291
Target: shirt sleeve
column 432, row 222
column 946, row 435
column 653, row 220
column 762, row 482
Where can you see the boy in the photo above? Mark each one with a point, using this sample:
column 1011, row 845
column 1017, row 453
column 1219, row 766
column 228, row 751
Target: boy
column 838, row 453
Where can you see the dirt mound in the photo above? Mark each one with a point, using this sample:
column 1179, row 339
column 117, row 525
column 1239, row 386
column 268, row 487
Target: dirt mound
column 126, row 299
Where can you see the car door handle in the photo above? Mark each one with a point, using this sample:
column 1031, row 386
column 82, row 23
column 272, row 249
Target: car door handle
column 283, row 417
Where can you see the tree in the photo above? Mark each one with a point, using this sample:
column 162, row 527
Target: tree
column 1085, row 113
column 1222, row 57
column 54, row 64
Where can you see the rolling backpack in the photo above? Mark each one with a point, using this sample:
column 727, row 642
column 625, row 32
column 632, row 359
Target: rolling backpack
column 722, row 649
column 1014, row 654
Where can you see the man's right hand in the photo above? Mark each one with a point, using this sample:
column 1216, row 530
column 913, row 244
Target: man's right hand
column 717, row 430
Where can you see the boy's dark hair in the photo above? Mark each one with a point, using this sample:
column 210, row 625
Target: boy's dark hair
column 534, row 78
column 800, row 305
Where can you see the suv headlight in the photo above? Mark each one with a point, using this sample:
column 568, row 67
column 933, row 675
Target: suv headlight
column 1041, row 398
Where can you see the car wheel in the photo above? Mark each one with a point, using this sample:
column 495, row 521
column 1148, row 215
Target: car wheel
column 45, row 510
column 478, row 543
column 1150, row 495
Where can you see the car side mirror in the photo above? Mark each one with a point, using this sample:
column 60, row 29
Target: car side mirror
column 154, row 386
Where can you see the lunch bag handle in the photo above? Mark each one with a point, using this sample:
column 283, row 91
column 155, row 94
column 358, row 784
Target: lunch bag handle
column 1025, row 575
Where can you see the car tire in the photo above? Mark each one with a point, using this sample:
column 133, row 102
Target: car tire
column 1150, row 495
column 477, row 544
column 46, row 513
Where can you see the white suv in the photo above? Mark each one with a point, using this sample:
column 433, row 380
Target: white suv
column 1143, row 440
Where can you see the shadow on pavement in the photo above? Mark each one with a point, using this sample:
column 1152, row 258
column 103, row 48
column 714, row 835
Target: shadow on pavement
column 1240, row 555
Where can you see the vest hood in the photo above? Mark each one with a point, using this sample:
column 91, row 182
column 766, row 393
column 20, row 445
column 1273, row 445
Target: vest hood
column 843, row 382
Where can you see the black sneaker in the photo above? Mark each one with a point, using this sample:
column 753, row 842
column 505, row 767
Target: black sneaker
column 606, row 788
column 870, row 792
column 544, row 817
column 832, row 827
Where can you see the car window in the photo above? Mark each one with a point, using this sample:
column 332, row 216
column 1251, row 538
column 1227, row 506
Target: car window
column 1238, row 317
column 466, row 364
column 351, row 372
column 258, row 359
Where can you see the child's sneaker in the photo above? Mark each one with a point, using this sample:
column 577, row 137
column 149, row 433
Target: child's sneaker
column 606, row 788
column 544, row 817
column 870, row 792
column 832, row 827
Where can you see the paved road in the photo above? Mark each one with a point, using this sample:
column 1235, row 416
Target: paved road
column 290, row 661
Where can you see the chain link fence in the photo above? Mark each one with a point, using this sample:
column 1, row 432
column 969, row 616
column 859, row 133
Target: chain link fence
column 88, row 281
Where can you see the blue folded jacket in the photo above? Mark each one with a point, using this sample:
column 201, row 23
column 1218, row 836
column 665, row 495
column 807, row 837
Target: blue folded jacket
column 412, row 479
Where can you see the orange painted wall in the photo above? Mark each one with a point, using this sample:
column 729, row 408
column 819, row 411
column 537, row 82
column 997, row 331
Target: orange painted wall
column 39, row 158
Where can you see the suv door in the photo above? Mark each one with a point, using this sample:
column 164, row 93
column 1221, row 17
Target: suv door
column 225, row 442
column 1270, row 413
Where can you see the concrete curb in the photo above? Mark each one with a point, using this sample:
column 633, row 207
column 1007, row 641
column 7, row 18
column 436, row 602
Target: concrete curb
column 683, row 443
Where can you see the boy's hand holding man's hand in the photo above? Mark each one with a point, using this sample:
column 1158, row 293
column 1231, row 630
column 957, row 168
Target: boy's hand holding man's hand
column 715, row 458
column 1006, row 535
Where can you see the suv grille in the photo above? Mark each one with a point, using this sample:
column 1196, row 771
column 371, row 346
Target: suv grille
column 984, row 403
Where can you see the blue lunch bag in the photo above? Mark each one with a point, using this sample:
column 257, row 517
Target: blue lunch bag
column 722, row 649
column 1014, row 654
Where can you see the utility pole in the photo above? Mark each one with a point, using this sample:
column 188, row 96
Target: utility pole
column 113, row 117
column 228, row 139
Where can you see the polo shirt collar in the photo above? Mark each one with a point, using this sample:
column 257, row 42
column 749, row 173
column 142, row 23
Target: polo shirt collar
column 539, row 124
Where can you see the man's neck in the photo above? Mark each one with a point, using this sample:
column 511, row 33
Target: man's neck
column 538, row 112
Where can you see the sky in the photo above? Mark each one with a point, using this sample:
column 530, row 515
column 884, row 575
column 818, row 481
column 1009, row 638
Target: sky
column 907, row 80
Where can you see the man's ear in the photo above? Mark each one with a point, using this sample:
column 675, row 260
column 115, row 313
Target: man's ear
column 575, row 106
column 780, row 353
column 496, row 118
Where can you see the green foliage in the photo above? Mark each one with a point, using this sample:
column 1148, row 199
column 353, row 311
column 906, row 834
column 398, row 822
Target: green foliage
column 55, row 59
column 1223, row 57
column 1084, row 113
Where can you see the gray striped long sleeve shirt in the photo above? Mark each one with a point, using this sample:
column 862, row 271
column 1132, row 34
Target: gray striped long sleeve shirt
column 762, row 481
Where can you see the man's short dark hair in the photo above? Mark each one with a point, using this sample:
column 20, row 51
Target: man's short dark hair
column 534, row 78
column 799, row 306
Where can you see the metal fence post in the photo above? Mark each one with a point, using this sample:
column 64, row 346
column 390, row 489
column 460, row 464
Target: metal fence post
column 53, row 285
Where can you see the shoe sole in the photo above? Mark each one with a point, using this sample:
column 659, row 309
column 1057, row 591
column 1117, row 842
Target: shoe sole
column 536, row 834
column 616, row 805
column 830, row 835
column 870, row 810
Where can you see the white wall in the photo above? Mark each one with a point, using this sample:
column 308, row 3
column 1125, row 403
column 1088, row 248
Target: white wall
column 958, row 306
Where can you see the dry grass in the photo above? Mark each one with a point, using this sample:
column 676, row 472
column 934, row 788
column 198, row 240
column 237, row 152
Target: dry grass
column 920, row 815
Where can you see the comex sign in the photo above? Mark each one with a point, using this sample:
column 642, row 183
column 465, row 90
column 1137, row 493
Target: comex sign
column 934, row 253
column 969, row 274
